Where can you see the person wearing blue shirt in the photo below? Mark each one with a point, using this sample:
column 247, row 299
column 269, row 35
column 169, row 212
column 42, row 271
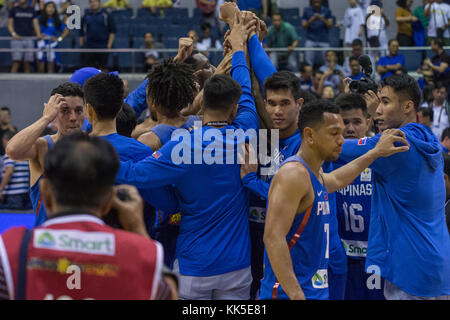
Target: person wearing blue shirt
column 392, row 63
column 316, row 20
column 297, row 233
column 51, row 27
column 355, row 68
column 213, row 247
column 408, row 244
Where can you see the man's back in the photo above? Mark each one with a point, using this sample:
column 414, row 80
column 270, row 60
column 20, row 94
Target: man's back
column 101, row 253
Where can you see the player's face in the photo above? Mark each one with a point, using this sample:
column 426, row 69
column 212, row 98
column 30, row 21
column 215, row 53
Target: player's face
column 71, row 115
column 328, row 137
column 389, row 111
column 283, row 108
column 356, row 124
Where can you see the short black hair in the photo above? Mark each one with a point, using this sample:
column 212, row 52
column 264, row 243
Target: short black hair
column 439, row 42
column 81, row 170
column 353, row 58
column 126, row 120
column 357, row 42
column 302, row 66
column 349, row 101
column 401, row 3
column 445, row 134
column 307, row 96
column 8, row 135
column 312, row 113
column 5, row 108
column 69, row 89
column 221, row 92
column 439, row 85
column 104, row 92
column 171, row 86
column 392, row 40
column 283, row 80
column 427, row 112
column 317, row 71
column 405, row 85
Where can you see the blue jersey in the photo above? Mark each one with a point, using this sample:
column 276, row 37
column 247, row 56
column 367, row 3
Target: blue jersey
column 408, row 239
column 35, row 194
column 353, row 205
column 164, row 131
column 308, row 243
column 214, row 235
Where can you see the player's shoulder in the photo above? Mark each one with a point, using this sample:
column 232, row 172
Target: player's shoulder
column 292, row 173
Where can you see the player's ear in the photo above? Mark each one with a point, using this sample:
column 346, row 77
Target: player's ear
column 308, row 135
column 300, row 103
column 408, row 107
column 90, row 113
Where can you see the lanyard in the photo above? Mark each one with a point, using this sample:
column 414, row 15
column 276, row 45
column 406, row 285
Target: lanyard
column 216, row 124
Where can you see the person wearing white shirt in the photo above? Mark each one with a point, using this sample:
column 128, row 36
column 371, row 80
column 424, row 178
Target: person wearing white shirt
column 439, row 13
column 353, row 23
column 440, row 109
column 377, row 22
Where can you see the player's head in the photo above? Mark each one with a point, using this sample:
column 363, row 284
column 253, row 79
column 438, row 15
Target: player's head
column 202, row 67
column 170, row 88
column 354, row 114
column 71, row 115
column 79, row 173
column 221, row 96
column 321, row 128
column 104, row 97
column 283, row 101
column 399, row 101
column 126, row 120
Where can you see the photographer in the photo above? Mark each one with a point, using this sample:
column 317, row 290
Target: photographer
column 79, row 191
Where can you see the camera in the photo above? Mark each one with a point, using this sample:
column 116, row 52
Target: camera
column 366, row 84
column 112, row 218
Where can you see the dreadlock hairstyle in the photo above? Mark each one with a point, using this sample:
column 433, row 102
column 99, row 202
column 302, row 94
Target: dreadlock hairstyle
column 44, row 17
column 171, row 87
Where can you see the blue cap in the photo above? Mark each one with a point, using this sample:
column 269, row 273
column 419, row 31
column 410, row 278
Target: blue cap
column 81, row 75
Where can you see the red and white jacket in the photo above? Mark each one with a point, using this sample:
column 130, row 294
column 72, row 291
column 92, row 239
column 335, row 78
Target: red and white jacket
column 79, row 257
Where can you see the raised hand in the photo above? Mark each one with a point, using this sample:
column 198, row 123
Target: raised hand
column 51, row 108
column 185, row 47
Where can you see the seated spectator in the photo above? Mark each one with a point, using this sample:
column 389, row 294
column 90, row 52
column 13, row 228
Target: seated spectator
column 153, row 5
column 259, row 7
column 333, row 74
column 55, row 31
column 14, row 190
column 317, row 80
column 404, row 18
column 356, row 73
column 440, row 63
column 78, row 190
column 357, row 51
column 283, row 35
column 425, row 116
column 391, row 64
column 306, row 73
column 117, row 4
column 376, row 24
column 427, row 73
column 328, row 93
column 207, row 40
column 5, row 125
column 353, row 22
column 151, row 56
column 316, row 20
column 22, row 22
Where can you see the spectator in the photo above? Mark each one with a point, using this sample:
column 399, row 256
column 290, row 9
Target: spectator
column 445, row 141
column 207, row 40
column 391, row 64
column 153, row 5
column 425, row 117
column 97, row 32
column 194, row 36
column 283, row 35
column 353, row 22
column 259, row 7
column 440, row 63
column 79, row 191
column 357, row 51
column 53, row 28
column 328, row 93
column 5, row 6
column 316, row 20
column 356, row 73
column 14, row 190
column 151, row 56
column 61, row 5
column 376, row 23
column 208, row 10
column 22, row 22
column 419, row 13
column 306, row 73
column 364, row 4
column 317, row 80
column 439, row 14
column 333, row 74
column 440, row 109
column 404, row 18
column 5, row 125
column 117, row 4
column 427, row 73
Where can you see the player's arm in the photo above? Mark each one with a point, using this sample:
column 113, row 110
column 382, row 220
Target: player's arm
column 287, row 190
column 385, row 147
column 262, row 66
column 250, row 179
column 24, row 145
column 150, row 139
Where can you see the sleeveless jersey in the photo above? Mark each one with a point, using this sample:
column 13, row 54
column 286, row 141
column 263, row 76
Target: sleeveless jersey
column 308, row 241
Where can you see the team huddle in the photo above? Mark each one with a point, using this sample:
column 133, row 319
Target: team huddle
column 337, row 212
